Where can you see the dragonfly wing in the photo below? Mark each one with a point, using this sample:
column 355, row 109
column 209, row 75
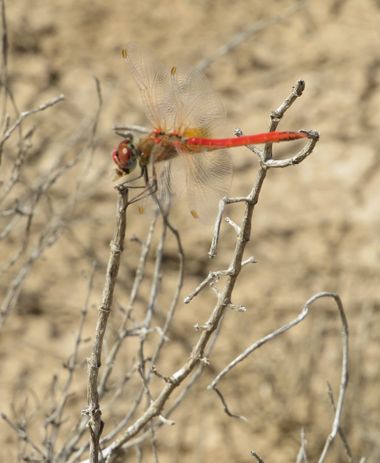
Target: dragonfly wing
column 159, row 184
column 197, row 108
column 153, row 81
column 208, row 178
column 169, row 176
column 205, row 177
column 164, row 184
column 175, row 99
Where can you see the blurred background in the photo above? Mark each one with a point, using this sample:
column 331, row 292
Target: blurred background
column 316, row 227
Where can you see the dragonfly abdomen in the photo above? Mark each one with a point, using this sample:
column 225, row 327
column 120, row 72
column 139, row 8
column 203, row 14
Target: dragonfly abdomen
column 260, row 138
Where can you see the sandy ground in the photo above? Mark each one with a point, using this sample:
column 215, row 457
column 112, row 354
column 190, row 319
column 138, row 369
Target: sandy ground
column 316, row 227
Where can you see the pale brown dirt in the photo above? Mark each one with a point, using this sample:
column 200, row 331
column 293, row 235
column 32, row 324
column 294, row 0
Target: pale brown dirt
column 316, row 226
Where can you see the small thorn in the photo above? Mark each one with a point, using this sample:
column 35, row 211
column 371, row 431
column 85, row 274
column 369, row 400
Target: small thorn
column 166, row 421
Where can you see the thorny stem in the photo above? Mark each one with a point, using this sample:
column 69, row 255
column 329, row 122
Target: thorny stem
column 94, row 362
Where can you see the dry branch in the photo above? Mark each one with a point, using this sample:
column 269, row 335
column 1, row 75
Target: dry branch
column 94, row 362
column 288, row 326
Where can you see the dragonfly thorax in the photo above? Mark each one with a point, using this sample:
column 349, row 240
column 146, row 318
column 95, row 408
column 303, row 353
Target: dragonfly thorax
column 159, row 146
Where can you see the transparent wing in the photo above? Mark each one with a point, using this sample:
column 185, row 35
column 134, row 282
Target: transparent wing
column 172, row 176
column 198, row 111
column 207, row 177
column 154, row 83
column 174, row 99
column 183, row 102
column 164, row 180
column 147, row 205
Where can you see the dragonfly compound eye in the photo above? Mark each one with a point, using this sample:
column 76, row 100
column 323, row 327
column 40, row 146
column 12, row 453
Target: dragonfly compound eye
column 125, row 156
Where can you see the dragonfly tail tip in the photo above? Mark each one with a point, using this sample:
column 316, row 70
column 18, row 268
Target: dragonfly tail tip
column 313, row 134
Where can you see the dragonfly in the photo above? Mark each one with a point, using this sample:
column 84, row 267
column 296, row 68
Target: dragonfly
column 181, row 154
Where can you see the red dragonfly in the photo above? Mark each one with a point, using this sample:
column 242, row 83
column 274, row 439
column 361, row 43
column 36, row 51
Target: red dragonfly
column 180, row 151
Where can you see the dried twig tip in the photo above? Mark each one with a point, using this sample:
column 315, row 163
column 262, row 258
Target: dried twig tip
column 299, row 87
column 258, row 458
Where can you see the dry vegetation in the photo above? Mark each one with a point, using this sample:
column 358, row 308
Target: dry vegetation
column 315, row 228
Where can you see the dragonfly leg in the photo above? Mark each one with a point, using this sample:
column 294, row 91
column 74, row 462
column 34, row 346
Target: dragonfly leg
column 126, row 182
column 150, row 187
column 148, row 191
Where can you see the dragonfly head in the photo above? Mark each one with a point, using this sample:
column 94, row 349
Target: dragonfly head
column 125, row 156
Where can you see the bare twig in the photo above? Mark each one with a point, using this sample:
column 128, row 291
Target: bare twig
column 26, row 206
column 302, row 455
column 146, row 323
column 94, row 361
column 4, row 63
column 124, row 130
column 210, row 279
column 234, row 225
column 225, row 406
column 342, row 436
column 47, row 239
column 177, row 402
column 299, row 157
column 24, row 436
column 278, row 113
column 25, row 115
column 132, row 298
column 344, row 375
